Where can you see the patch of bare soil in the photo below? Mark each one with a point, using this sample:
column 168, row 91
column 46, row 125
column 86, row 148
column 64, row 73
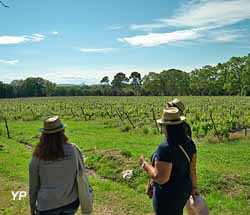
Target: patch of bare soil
column 236, row 134
column 233, row 184
column 239, row 134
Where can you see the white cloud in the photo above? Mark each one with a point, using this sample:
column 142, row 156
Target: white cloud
column 225, row 35
column 115, row 27
column 5, row 40
column 96, row 50
column 9, row 62
column 55, row 32
column 210, row 12
column 12, row 39
column 155, row 39
column 209, row 16
column 226, row 38
column 147, row 27
column 35, row 37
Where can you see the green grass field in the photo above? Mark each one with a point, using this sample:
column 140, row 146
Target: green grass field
column 223, row 168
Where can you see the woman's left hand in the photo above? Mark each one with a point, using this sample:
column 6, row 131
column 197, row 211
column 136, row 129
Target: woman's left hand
column 141, row 160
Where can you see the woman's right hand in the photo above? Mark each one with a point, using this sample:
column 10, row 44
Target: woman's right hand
column 194, row 192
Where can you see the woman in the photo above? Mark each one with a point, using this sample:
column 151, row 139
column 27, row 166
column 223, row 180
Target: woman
column 172, row 182
column 52, row 173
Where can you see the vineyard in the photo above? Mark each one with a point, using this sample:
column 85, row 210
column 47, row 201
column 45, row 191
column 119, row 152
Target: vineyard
column 218, row 116
column 114, row 131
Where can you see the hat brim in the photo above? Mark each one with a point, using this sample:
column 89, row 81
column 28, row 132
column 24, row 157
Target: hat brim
column 167, row 122
column 170, row 104
column 44, row 131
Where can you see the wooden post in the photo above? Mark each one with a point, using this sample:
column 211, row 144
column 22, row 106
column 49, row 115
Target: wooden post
column 130, row 121
column 33, row 114
column 107, row 112
column 119, row 115
column 216, row 132
column 83, row 113
column 7, row 128
column 72, row 112
column 155, row 120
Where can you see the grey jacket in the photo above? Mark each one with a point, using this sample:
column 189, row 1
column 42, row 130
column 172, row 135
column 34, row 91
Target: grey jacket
column 52, row 184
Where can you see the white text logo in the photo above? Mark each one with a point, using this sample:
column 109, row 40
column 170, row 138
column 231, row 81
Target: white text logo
column 18, row 195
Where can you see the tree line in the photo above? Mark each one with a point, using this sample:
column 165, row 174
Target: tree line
column 229, row 78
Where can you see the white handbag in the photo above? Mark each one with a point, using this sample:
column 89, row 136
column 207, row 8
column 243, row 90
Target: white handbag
column 85, row 192
column 196, row 206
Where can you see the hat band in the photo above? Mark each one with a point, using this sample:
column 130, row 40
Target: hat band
column 172, row 120
column 51, row 129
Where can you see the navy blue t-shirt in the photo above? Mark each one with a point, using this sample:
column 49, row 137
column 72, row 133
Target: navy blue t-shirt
column 170, row 198
column 180, row 174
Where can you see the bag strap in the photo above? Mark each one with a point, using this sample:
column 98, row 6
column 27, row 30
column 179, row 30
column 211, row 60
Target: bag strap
column 182, row 149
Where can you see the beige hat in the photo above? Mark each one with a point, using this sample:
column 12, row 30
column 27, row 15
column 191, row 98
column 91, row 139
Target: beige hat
column 177, row 103
column 52, row 125
column 171, row 116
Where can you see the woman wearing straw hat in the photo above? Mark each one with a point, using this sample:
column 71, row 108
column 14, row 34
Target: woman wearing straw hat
column 52, row 172
column 170, row 172
column 179, row 104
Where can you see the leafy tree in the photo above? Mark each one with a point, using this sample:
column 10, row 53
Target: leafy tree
column 231, row 74
column 120, row 80
column 246, row 78
column 204, row 81
column 229, row 78
column 151, row 84
column 135, row 78
column 105, row 80
column 174, row 82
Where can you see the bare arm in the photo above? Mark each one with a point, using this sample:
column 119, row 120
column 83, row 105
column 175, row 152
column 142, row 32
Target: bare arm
column 193, row 174
column 160, row 173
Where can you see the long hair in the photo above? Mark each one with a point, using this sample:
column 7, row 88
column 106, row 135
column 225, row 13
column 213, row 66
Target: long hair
column 176, row 134
column 50, row 146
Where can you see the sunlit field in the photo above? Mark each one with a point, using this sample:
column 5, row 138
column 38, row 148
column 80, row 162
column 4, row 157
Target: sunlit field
column 114, row 131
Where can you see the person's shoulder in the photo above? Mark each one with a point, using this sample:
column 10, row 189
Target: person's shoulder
column 191, row 142
column 164, row 152
column 73, row 146
column 164, row 146
column 70, row 147
column 186, row 123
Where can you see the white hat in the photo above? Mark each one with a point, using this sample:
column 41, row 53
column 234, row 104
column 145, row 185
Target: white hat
column 171, row 116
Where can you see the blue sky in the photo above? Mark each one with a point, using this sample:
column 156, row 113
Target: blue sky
column 83, row 40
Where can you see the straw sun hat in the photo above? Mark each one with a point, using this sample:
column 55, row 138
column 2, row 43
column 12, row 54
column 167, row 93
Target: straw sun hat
column 171, row 116
column 177, row 103
column 52, row 125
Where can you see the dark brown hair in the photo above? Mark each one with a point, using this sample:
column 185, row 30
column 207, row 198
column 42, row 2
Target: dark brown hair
column 50, row 146
column 176, row 134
